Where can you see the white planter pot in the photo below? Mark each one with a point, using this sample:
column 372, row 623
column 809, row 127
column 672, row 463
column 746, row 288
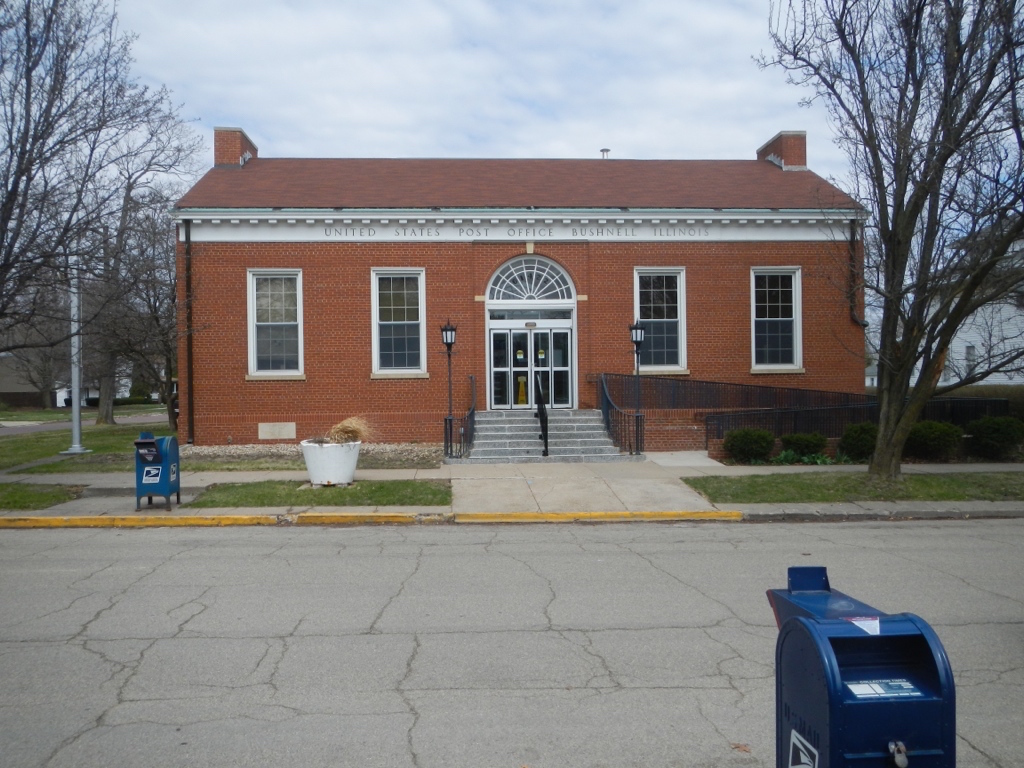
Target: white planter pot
column 330, row 463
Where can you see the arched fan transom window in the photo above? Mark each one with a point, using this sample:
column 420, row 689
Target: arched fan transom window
column 530, row 279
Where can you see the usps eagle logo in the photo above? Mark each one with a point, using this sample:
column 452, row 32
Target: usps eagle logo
column 801, row 753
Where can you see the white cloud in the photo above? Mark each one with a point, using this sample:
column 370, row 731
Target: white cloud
column 477, row 78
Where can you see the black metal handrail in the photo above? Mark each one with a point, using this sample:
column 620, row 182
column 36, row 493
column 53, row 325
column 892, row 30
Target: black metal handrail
column 626, row 429
column 460, row 431
column 660, row 392
column 542, row 414
column 833, row 421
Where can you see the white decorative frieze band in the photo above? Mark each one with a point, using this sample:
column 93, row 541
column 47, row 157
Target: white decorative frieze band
column 229, row 226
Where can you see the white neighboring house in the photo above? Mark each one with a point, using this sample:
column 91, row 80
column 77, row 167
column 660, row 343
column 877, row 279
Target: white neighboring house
column 64, row 395
column 991, row 333
column 871, row 375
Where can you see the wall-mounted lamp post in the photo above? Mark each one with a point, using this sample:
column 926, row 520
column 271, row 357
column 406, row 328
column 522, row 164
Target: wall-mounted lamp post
column 636, row 335
column 448, row 337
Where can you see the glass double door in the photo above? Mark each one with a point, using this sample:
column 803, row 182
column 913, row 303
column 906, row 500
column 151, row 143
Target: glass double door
column 523, row 360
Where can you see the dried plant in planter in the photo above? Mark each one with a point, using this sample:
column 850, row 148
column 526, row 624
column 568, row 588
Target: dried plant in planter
column 331, row 459
column 354, row 429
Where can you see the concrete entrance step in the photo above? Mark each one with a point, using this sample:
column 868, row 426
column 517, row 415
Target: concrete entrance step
column 511, row 437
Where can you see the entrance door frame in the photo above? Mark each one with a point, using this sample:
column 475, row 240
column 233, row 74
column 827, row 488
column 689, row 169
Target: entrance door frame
column 547, row 305
column 532, row 328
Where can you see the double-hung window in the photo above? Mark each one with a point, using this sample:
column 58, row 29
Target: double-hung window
column 398, row 302
column 776, row 332
column 971, row 358
column 275, row 322
column 660, row 305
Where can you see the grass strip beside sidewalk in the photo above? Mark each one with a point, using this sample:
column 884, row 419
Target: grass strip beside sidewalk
column 835, row 487
column 24, row 496
column 365, row 493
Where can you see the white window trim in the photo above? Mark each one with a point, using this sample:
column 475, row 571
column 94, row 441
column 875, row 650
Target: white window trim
column 798, row 338
column 398, row 373
column 251, row 276
column 679, row 272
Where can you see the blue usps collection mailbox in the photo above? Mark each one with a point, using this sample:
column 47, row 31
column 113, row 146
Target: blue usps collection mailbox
column 156, row 469
column 855, row 686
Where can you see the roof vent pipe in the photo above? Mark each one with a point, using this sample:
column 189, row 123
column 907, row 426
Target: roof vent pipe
column 605, row 153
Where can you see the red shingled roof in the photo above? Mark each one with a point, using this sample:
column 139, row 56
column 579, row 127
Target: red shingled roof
column 459, row 183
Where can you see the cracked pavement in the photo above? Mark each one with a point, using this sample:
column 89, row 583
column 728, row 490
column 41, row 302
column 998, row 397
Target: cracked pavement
column 549, row 645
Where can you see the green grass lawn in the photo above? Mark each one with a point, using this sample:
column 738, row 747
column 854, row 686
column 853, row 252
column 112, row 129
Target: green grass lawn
column 64, row 414
column 27, row 497
column 113, row 448
column 826, row 487
column 365, row 493
column 34, row 414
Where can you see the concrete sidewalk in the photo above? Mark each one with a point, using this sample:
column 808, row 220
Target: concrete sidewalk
column 499, row 493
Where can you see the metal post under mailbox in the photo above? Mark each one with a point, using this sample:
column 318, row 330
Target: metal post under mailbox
column 855, row 686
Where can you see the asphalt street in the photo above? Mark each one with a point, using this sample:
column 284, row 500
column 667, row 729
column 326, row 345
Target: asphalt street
column 557, row 645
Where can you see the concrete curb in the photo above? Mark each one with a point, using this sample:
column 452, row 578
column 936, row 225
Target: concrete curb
column 597, row 517
column 136, row 521
column 388, row 516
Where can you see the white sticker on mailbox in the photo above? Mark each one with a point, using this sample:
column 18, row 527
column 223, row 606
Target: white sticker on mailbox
column 801, row 753
column 874, row 689
column 869, row 624
column 151, row 475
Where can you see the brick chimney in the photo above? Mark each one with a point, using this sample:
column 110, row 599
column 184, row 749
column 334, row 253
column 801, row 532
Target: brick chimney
column 787, row 149
column 232, row 147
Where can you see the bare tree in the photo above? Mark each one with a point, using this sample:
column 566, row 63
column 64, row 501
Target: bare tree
column 145, row 332
column 925, row 97
column 83, row 139
column 163, row 147
column 43, row 360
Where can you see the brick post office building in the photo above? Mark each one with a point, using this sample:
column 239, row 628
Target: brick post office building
column 314, row 289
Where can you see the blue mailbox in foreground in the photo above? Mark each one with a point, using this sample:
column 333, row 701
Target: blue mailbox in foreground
column 855, row 686
column 156, row 469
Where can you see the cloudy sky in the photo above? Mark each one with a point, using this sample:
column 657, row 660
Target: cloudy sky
column 477, row 78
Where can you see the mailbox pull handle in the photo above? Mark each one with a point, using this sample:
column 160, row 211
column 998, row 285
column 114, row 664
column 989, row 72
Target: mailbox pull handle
column 899, row 754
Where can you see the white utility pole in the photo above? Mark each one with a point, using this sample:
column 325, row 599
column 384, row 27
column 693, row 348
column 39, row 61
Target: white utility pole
column 76, row 362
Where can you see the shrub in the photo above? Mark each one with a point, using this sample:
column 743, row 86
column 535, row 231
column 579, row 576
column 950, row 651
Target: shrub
column 933, row 441
column 786, row 457
column 858, row 441
column 818, row 459
column 749, row 445
column 995, row 437
column 145, row 400
column 803, row 444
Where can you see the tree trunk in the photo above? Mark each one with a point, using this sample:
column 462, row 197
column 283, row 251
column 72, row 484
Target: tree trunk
column 108, row 387
column 169, row 396
column 896, row 417
column 885, row 461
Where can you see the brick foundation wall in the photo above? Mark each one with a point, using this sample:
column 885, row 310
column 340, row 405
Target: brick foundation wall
column 673, row 430
column 337, row 328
